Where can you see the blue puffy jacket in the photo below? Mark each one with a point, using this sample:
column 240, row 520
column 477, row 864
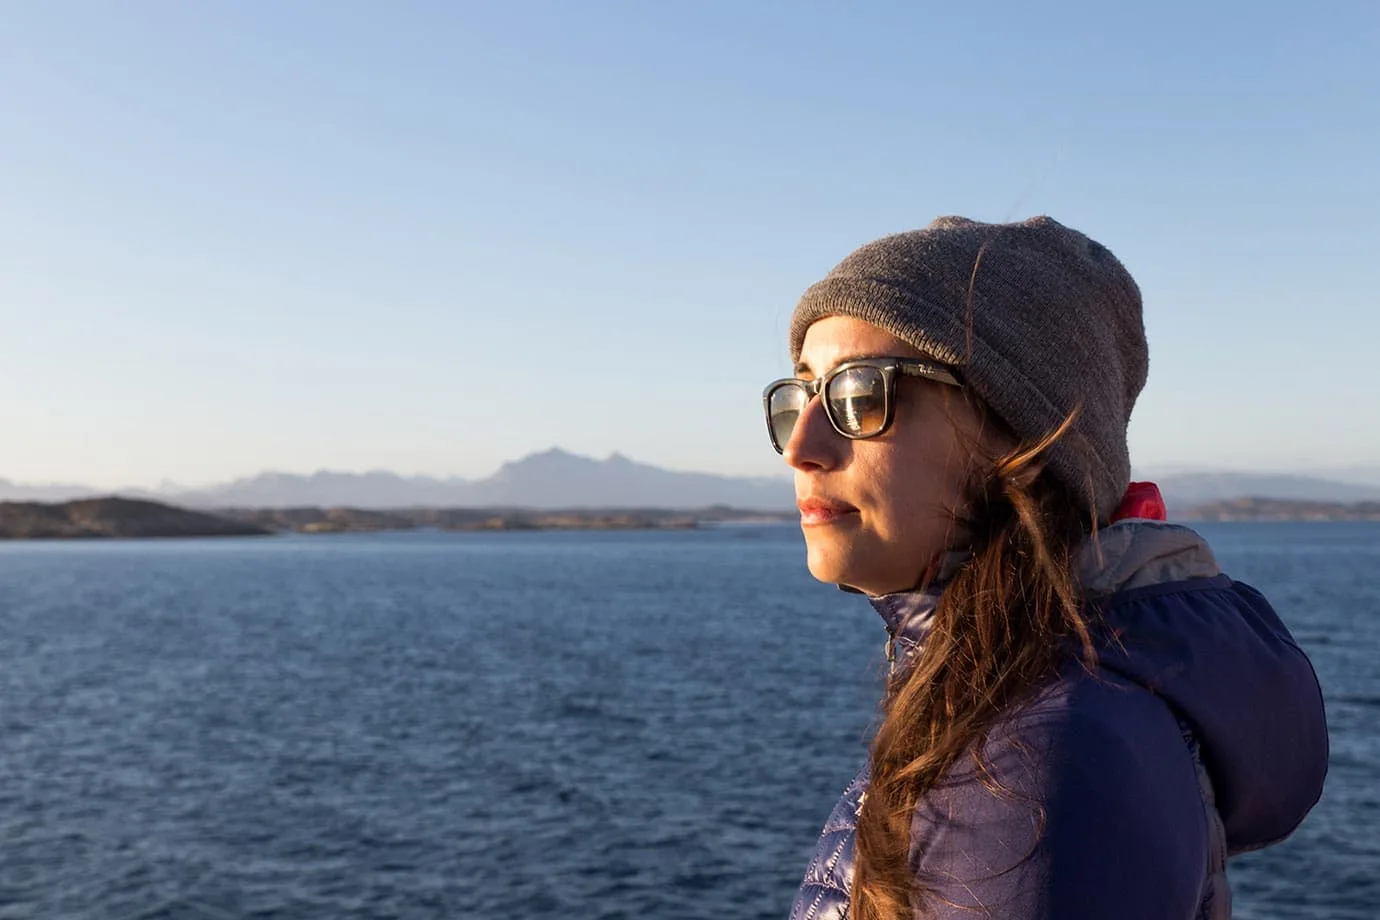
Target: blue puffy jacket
column 1201, row 735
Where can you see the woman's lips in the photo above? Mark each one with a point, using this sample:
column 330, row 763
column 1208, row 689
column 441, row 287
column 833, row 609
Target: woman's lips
column 816, row 511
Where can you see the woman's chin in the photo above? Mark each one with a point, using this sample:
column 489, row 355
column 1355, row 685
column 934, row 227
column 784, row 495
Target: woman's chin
column 853, row 566
column 836, row 568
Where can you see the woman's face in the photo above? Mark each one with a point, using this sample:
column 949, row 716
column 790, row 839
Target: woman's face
column 878, row 512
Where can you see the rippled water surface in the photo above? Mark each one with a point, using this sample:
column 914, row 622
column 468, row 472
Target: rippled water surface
column 517, row 725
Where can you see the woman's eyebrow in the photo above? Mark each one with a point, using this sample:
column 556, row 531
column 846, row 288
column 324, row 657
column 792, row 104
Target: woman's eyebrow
column 803, row 366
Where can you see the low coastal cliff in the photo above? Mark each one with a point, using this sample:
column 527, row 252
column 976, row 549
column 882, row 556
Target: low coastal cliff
column 113, row 517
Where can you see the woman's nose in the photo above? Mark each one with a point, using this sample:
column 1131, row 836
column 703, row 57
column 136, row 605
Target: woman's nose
column 814, row 444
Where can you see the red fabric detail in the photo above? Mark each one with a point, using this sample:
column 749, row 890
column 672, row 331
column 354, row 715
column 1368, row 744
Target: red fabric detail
column 1142, row 500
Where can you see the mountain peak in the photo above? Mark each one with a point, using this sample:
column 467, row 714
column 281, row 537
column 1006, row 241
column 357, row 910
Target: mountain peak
column 555, row 456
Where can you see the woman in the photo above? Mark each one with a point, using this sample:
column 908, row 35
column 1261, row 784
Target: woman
column 1084, row 717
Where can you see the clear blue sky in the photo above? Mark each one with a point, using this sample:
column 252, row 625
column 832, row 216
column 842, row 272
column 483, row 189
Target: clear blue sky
column 435, row 236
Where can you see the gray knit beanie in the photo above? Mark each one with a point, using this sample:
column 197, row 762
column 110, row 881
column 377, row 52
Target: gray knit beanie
column 1037, row 318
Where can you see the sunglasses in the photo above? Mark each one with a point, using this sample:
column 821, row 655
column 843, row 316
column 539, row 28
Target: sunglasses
column 859, row 396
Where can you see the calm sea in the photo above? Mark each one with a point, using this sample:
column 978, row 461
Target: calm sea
column 634, row 725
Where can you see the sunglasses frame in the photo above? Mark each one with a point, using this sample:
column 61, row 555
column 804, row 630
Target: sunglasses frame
column 891, row 368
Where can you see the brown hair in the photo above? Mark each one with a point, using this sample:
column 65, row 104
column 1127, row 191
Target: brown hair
column 1005, row 624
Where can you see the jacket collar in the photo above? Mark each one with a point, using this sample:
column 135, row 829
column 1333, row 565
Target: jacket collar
column 908, row 615
column 1128, row 554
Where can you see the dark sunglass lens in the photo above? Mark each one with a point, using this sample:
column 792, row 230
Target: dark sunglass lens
column 857, row 400
column 783, row 409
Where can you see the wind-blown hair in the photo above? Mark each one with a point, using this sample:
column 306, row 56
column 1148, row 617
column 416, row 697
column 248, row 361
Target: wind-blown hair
column 1007, row 622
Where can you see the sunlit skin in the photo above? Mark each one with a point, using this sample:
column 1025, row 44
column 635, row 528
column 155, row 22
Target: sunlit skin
column 878, row 513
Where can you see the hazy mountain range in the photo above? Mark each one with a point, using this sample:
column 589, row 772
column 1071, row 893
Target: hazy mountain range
column 553, row 479
column 557, row 479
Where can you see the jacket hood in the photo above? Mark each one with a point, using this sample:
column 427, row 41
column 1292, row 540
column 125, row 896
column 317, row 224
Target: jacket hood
column 1214, row 650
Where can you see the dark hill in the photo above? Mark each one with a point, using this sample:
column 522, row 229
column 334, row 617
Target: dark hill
column 112, row 517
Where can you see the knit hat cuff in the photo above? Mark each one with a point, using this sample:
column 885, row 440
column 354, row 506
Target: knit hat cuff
column 877, row 303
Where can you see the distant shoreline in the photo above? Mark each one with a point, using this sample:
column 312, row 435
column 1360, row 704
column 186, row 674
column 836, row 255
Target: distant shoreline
column 1273, row 510
column 128, row 518
column 357, row 520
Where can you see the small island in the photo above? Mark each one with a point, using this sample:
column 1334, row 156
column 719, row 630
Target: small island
column 113, row 518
